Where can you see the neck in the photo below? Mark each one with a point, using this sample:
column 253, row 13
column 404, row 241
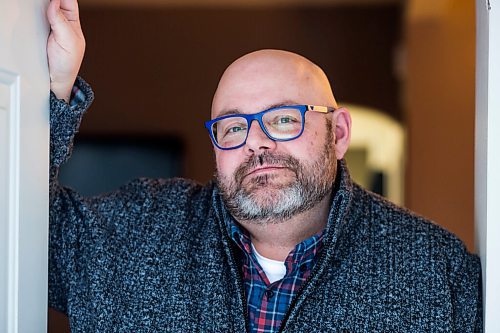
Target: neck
column 276, row 240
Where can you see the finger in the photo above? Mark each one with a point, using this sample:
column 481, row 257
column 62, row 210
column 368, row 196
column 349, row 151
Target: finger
column 56, row 8
column 56, row 19
column 52, row 10
column 62, row 29
column 70, row 9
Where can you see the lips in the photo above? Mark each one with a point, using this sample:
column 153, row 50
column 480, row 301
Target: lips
column 265, row 169
column 264, row 165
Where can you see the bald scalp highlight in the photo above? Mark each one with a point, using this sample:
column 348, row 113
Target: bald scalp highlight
column 276, row 68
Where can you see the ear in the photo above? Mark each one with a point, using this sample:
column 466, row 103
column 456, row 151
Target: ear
column 341, row 121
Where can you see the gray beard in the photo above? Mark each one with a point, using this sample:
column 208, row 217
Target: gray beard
column 311, row 184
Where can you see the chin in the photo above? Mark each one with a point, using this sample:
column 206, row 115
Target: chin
column 268, row 182
column 268, row 195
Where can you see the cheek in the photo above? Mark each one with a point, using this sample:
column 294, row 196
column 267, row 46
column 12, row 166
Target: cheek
column 226, row 163
column 310, row 143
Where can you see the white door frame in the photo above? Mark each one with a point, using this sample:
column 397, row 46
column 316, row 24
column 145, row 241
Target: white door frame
column 24, row 153
column 487, row 160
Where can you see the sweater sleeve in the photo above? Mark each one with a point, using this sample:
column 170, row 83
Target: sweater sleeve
column 64, row 123
column 65, row 207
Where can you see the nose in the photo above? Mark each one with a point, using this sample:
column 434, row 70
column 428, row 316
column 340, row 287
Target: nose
column 257, row 140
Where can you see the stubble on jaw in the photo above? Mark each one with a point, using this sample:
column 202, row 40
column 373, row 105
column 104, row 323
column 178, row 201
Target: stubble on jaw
column 267, row 199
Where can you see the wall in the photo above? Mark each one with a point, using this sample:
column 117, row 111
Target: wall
column 439, row 109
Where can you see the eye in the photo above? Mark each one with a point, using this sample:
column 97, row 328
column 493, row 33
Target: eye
column 285, row 120
column 235, row 129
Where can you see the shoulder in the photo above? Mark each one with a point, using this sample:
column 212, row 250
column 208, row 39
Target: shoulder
column 176, row 195
column 403, row 230
column 150, row 214
column 413, row 257
column 149, row 202
column 149, row 193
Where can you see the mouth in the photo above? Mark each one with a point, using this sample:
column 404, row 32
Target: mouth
column 264, row 169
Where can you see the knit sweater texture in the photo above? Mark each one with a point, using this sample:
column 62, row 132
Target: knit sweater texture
column 155, row 256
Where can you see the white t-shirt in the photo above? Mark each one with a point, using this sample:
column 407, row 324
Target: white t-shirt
column 275, row 270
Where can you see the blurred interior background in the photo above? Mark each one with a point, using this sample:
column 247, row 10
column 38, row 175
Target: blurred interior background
column 404, row 68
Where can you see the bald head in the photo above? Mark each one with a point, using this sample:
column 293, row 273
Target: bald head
column 266, row 78
column 267, row 178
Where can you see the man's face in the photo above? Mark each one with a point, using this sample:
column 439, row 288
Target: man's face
column 277, row 184
column 268, row 181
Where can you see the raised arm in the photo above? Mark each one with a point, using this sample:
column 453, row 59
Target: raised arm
column 65, row 46
column 65, row 49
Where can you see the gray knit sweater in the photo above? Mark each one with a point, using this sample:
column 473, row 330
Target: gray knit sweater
column 154, row 256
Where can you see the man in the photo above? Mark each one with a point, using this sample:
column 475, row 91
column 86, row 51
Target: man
column 282, row 241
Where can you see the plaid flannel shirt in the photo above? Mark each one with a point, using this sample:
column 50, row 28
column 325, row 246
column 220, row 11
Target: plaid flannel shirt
column 77, row 96
column 268, row 303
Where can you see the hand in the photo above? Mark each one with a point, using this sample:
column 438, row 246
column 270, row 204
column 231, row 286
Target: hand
column 65, row 46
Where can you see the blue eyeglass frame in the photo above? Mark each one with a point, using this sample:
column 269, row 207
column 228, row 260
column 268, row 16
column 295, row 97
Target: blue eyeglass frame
column 258, row 116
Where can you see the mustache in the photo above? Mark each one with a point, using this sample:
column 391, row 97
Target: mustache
column 265, row 158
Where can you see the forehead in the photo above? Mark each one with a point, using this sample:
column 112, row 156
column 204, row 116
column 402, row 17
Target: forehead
column 254, row 93
column 258, row 81
column 236, row 110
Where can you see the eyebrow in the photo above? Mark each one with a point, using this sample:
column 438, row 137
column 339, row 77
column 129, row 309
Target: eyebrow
column 271, row 106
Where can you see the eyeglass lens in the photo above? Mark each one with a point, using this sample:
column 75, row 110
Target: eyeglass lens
column 280, row 124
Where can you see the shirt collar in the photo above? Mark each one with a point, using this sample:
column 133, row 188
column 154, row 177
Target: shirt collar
column 242, row 239
column 302, row 254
